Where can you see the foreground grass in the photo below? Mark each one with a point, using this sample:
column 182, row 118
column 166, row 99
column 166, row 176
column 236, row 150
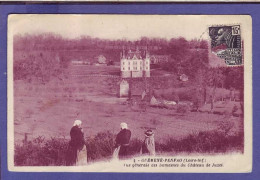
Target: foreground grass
column 52, row 152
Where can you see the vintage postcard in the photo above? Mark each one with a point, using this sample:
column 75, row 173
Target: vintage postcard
column 129, row 93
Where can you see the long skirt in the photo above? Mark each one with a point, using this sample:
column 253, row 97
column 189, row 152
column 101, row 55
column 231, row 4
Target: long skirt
column 71, row 156
column 81, row 159
column 123, row 152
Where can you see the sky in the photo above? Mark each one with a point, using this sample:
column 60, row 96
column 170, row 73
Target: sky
column 130, row 27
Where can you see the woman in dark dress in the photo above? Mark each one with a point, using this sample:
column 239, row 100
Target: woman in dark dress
column 77, row 153
column 122, row 141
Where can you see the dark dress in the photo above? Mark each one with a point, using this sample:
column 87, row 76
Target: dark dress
column 122, row 140
column 76, row 143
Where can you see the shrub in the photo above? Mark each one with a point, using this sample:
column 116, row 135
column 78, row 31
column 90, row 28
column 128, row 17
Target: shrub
column 235, row 109
column 182, row 108
column 110, row 111
column 186, row 94
column 101, row 146
column 174, row 97
column 155, row 122
column 204, row 142
column 224, row 127
column 42, row 152
column 42, row 66
column 134, row 147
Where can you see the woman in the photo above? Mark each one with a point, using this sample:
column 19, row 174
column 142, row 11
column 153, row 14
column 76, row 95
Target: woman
column 122, row 142
column 148, row 146
column 77, row 152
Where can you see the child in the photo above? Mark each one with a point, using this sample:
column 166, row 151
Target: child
column 148, row 146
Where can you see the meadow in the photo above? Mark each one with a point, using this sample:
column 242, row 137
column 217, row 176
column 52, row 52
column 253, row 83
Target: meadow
column 44, row 114
column 50, row 109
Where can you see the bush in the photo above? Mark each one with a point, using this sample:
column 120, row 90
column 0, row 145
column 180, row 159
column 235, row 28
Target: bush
column 41, row 66
column 182, row 108
column 101, row 146
column 234, row 110
column 186, row 94
column 225, row 127
column 204, row 142
column 134, row 147
column 41, row 152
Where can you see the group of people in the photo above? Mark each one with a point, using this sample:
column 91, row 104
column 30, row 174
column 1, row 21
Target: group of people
column 77, row 150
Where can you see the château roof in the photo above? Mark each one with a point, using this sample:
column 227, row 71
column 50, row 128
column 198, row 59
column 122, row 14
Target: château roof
column 133, row 55
column 130, row 55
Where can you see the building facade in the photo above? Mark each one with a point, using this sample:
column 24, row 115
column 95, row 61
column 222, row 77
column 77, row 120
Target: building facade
column 135, row 64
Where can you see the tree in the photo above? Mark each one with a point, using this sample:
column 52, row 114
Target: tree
column 215, row 78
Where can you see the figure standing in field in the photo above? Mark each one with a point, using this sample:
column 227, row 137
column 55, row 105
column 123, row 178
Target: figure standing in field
column 143, row 101
column 148, row 146
column 211, row 103
column 77, row 151
column 122, row 141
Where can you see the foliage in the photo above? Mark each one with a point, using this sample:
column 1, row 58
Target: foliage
column 47, row 55
column 42, row 152
column 226, row 77
column 197, row 98
column 182, row 108
column 225, row 127
column 186, row 94
column 40, row 66
column 204, row 142
column 100, row 146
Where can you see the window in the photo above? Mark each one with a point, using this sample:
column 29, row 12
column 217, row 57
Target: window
column 123, row 68
column 129, row 68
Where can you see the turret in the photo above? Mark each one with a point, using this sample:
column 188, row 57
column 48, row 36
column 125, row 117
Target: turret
column 147, row 63
column 147, row 54
column 123, row 53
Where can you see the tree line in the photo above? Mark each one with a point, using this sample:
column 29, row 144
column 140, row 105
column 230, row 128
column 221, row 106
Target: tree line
column 50, row 41
column 50, row 53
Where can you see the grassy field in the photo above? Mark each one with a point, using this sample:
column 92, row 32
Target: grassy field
column 50, row 109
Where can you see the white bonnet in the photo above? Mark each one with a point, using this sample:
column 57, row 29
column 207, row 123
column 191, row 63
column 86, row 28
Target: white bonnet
column 123, row 125
column 77, row 122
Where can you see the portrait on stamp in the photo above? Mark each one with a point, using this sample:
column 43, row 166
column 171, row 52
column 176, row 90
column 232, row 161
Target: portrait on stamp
column 129, row 93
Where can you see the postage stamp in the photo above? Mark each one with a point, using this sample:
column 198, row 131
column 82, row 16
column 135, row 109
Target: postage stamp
column 226, row 43
column 129, row 93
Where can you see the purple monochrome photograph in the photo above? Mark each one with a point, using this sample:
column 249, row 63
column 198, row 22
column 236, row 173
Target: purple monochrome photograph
column 133, row 93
